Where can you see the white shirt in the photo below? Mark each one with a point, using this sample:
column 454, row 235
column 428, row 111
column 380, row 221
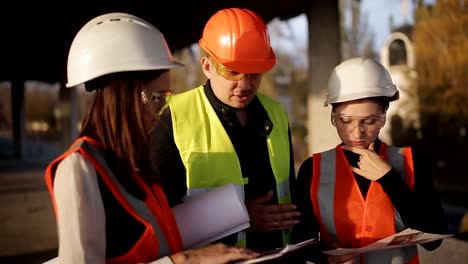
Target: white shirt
column 81, row 216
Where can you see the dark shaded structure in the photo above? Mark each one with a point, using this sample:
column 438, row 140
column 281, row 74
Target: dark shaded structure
column 36, row 35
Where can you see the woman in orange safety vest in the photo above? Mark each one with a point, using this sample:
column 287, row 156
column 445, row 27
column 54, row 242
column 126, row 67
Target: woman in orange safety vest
column 107, row 198
column 364, row 190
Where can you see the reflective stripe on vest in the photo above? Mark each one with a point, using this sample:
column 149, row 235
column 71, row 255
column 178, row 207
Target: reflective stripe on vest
column 343, row 214
column 153, row 242
column 207, row 152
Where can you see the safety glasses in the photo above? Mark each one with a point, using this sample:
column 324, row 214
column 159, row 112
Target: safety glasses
column 155, row 100
column 370, row 123
column 230, row 74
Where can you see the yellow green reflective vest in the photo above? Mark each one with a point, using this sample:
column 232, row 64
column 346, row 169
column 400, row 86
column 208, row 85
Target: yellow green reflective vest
column 207, row 152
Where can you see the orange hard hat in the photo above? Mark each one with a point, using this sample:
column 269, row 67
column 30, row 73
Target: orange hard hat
column 239, row 40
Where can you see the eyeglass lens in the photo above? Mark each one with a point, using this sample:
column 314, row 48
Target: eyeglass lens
column 230, row 74
column 369, row 123
column 155, row 101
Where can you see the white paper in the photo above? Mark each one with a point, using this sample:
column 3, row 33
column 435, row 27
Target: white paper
column 276, row 253
column 211, row 216
column 405, row 238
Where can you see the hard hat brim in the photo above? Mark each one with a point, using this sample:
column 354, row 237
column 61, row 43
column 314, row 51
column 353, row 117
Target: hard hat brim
column 169, row 66
column 395, row 95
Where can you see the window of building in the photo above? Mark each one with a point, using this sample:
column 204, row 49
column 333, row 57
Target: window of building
column 397, row 53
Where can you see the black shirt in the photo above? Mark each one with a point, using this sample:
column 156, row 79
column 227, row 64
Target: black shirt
column 250, row 145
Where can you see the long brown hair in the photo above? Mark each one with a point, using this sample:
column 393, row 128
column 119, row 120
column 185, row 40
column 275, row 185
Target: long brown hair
column 115, row 119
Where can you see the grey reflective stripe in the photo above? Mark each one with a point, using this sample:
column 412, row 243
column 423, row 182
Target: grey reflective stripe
column 399, row 226
column 138, row 205
column 283, row 189
column 407, row 252
column 391, row 256
column 326, row 191
column 396, row 159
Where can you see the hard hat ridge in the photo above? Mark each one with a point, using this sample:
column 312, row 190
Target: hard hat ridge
column 116, row 42
column 239, row 40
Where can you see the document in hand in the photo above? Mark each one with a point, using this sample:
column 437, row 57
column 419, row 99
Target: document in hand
column 276, row 253
column 211, row 216
column 405, row 238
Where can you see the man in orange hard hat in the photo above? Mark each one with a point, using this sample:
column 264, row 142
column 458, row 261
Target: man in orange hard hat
column 226, row 132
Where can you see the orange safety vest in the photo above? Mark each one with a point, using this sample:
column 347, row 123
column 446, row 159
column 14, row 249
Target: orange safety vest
column 161, row 236
column 348, row 218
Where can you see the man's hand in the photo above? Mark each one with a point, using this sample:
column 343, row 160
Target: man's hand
column 269, row 217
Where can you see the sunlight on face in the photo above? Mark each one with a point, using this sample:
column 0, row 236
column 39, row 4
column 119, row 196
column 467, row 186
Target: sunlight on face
column 237, row 94
column 358, row 122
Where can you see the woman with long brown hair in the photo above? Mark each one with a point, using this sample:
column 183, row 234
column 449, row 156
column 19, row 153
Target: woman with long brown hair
column 107, row 197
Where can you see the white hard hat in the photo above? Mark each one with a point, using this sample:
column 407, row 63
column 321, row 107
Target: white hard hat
column 116, row 42
column 359, row 78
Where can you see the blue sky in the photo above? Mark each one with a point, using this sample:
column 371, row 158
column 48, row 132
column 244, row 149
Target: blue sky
column 377, row 13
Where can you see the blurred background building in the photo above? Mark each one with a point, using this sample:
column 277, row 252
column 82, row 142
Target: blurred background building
column 426, row 54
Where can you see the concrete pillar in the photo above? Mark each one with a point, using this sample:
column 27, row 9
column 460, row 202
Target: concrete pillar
column 74, row 113
column 69, row 115
column 19, row 117
column 324, row 55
